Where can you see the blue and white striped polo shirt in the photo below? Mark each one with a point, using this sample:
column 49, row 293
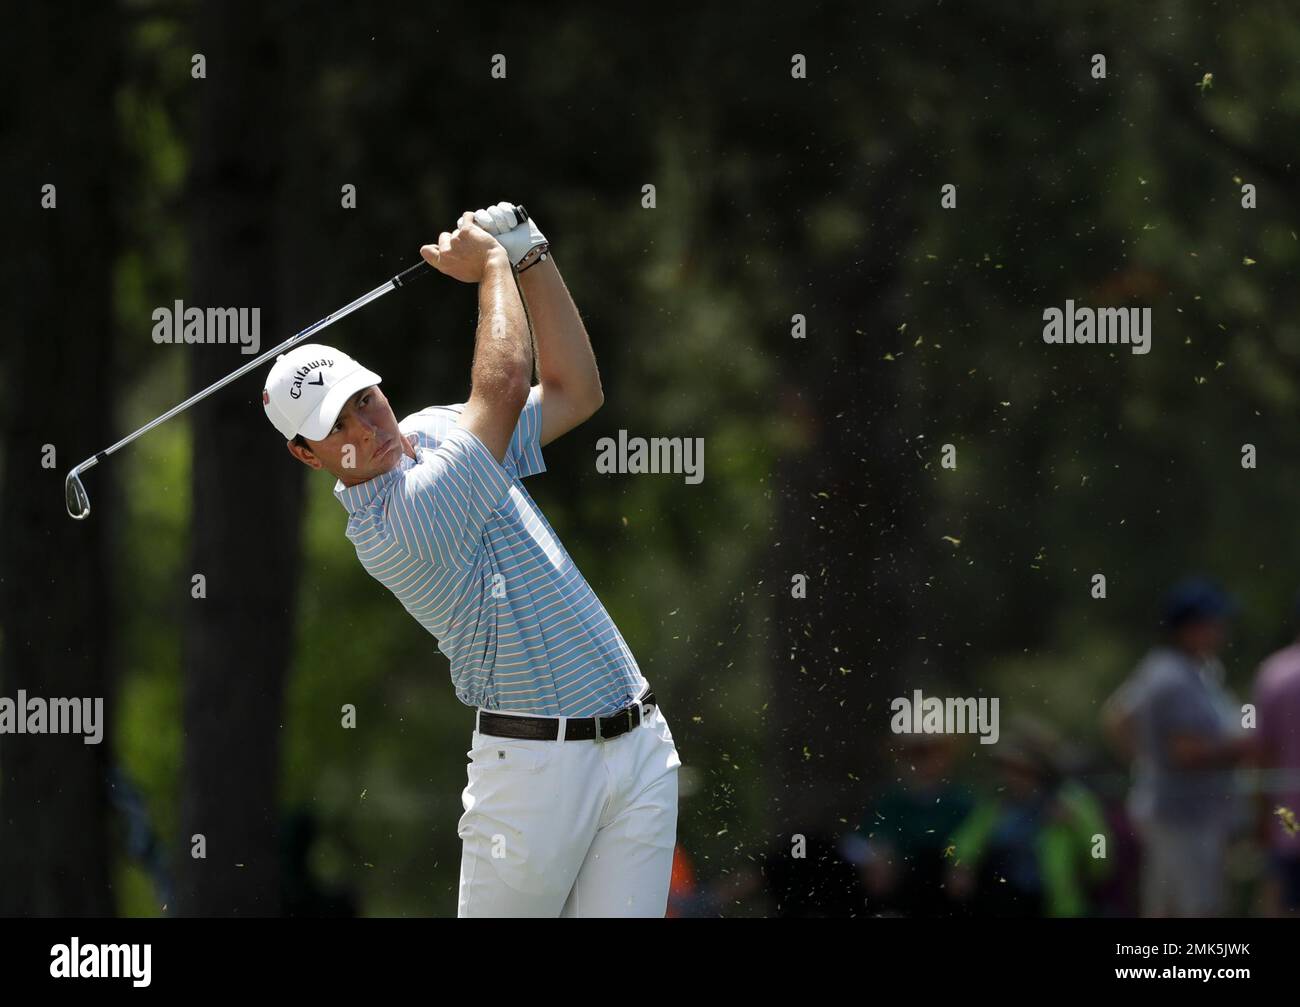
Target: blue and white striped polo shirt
column 456, row 537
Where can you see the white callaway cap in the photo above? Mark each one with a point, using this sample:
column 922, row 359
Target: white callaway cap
column 308, row 388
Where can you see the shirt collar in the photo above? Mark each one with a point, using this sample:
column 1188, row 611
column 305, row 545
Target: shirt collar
column 357, row 498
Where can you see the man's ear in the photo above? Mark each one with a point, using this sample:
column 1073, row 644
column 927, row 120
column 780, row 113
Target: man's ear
column 303, row 455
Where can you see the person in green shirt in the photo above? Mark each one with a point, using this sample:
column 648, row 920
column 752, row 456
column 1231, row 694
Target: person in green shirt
column 899, row 846
column 1027, row 850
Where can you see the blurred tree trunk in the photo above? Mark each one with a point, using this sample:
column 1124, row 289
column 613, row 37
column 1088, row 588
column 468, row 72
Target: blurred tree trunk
column 847, row 517
column 247, row 492
column 55, row 596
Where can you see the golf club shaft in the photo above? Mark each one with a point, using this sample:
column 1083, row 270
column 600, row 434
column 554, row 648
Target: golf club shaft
column 419, row 269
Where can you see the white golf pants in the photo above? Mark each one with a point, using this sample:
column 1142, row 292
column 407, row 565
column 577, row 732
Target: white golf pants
column 569, row 828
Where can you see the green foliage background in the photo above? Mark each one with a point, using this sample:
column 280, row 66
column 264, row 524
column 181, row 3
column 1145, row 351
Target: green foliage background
column 1072, row 460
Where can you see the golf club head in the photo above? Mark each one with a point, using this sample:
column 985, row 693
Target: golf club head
column 75, row 495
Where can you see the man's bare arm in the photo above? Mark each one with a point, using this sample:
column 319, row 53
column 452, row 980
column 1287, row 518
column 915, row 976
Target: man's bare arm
column 503, row 360
column 1119, row 729
column 503, row 354
column 1194, row 751
column 570, row 381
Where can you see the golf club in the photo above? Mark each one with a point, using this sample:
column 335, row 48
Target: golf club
column 78, row 501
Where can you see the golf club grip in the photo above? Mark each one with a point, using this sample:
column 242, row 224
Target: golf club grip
column 407, row 275
column 422, row 268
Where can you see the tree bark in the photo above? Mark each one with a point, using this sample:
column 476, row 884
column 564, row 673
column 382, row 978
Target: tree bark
column 847, row 518
column 247, row 492
column 56, row 599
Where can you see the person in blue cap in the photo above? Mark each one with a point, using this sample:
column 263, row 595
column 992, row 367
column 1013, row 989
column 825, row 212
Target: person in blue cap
column 1277, row 705
column 1183, row 732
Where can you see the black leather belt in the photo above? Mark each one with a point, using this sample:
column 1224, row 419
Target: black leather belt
column 575, row 728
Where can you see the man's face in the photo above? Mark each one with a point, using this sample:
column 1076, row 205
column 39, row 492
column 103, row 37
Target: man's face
column 364, row 443
column 1204, row 637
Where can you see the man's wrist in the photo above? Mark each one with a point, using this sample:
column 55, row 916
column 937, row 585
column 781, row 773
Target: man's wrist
column 496, row 259
column 536, row 254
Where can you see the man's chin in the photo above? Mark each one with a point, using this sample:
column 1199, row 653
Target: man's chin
column 383, row 462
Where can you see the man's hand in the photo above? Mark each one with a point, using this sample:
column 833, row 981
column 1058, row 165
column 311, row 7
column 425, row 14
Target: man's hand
column 516, row 238
column 464, row 254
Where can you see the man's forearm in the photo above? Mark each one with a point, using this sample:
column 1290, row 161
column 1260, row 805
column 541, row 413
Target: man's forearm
column 1190, row 751
column 503, row 352
column 564, row 356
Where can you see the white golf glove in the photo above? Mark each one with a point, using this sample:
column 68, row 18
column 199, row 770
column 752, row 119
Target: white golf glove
column 521, row 241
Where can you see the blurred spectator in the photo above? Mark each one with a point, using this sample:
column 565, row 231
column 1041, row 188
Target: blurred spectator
column 684, row 893
column 818, row 882
column 142, row 843
column 1028, row 851
column 900, row 846
column 803, row 879
column 1116, row 895
column 688, row 895
column 1182, row 730
column 1277, row 710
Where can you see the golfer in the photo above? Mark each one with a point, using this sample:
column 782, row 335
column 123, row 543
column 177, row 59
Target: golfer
column 571, row 798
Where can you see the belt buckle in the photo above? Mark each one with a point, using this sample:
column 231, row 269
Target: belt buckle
column 625, row 715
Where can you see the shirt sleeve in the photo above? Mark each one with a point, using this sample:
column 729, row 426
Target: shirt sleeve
column 524, row 455
column 1126, row 701
column 439, row 508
